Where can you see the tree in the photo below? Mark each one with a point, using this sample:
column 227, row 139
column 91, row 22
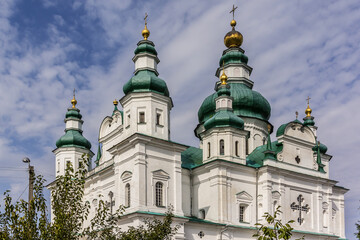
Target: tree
column 358, row 230
column 23, row 220
column 275, row 229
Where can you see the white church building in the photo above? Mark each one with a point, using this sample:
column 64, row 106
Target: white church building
column 223, row 187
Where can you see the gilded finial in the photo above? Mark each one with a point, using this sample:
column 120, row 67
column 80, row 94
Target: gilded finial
column 233, row 22
column 233, row 38
column 269, row 128
column 115, row 102
column 73, row 101
column 308, row 110
column 223, row 77
column 145, row 32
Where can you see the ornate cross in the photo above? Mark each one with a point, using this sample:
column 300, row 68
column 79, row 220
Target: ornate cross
column 308, row 100
column 112, row 202
column 233, row 11
column 145, row 18
column 301, row 208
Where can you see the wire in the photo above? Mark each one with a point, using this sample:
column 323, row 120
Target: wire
column 22, row 193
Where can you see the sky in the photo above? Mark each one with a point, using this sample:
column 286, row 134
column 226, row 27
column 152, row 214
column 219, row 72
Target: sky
column 296, row 48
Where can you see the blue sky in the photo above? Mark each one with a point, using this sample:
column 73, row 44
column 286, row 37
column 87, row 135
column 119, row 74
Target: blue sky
column 297, row 49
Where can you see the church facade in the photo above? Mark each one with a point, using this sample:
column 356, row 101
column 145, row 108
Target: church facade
column 222, row 188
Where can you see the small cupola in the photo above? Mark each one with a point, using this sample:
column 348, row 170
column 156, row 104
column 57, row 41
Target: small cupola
column 73, row 132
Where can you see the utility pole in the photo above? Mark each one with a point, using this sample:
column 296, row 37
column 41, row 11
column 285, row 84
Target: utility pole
column 31, row 179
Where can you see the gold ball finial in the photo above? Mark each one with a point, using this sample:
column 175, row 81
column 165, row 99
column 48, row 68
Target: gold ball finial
column 233, row 23
column 145, row 33
column 73, row 101
column 308, row 110
column 115, row 102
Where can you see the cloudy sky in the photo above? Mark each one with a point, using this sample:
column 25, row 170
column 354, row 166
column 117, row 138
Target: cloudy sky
column 297, row 49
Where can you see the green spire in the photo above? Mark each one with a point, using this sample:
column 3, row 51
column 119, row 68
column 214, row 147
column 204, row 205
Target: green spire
column 318, row 159
column 269, row 153
column 98, row 156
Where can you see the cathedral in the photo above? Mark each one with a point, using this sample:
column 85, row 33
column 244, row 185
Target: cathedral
column 223, row 187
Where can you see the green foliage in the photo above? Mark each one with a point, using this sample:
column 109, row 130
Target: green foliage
column 358, row 230
column 23, row 220
column 154, row 229
column 274, row 229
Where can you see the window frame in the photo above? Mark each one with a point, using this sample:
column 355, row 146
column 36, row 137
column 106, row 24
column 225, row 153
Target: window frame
column 159, row 194
column 221, row 147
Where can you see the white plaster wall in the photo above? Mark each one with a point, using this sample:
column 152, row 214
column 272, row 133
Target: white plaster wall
column 150, row 104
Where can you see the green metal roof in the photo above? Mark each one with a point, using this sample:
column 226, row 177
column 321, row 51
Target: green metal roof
column 145, row 48
column 233, row 56
column 309, row 121
column 146, row 81
column 246, row 102
column 73, row 138
column 224, row 118
column 255, row 159
column 322, row 148
column 191, row 157
column 73, row 113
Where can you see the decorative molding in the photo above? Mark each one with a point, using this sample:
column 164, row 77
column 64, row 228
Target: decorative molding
column 244, row 196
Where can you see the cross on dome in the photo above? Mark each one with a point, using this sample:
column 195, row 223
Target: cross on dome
column 145, row 32
column 233, row 11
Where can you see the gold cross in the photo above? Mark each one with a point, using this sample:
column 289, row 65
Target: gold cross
column 233, row 11
column 308, row 100
column 145, row 18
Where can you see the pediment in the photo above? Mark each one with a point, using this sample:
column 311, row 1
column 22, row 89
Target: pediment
column 126, row 175
column 244, row 196
column 276, row 195
column 160, row 173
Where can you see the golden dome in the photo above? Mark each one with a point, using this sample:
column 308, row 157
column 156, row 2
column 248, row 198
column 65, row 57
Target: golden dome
column 233, row 38
column 115, row 102
column 308, row 111
column 145, row 33
column 223, row 78
column 73, row 102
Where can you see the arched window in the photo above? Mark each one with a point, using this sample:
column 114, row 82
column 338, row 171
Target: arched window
column 237, row 148
column 209, row 150
column 222, row 147
column 159, row 194
column 127, row 195
column 242, row 211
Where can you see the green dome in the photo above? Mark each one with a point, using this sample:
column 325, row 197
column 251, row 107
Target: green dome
column 146, row 48
column 146, row 81
column 73, row 138
column 322, row 147
column 233, row 56
column 73, row 113
column 246, row 102
column 224, row 118
column 309, row 121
